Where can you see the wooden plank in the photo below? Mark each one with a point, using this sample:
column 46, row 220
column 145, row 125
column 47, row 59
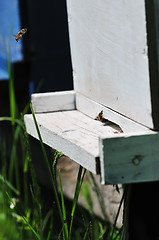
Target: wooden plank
column 92, row 108
column 53, row 101
column 110, row 55
column 71, row 100
column 129, row 158
column 73, row 133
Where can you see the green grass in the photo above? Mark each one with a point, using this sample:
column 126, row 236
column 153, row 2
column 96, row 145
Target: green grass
column 21, row 208
column 30, row 222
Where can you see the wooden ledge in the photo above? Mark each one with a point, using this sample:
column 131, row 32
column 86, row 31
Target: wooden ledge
column 73, row 133
column 67, row 123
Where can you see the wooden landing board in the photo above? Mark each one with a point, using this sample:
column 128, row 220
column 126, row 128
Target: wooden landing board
column 72, row 100
column 130, row 158
column 73, row 133
column 126, row 157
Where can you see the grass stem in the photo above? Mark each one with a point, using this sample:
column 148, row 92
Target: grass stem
column 49, row 169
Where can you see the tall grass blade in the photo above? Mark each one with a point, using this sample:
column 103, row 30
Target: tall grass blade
column 31, row 228
column 18, row 121
column 46, row 219
column 99, row 197
column 117, row 215
column 13, row 105
column 26, row 151
column 51, row 226
column 63, row 207
column 79, row 182
column 86, row 233
column 86, row 193
column 9, row 185
column 48, row 166
column 13, row 168
column 18, row 133
column 35, row 191
column 56, row 156
column 102, row 231
column 26, row 148
column 24, row 218
column 42, row 145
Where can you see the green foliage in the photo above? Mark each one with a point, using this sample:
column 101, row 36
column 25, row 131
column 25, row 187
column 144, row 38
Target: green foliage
column 79, row 182
column 8, row 228
column 20, row 219
column 97, row 229
column 10, row 231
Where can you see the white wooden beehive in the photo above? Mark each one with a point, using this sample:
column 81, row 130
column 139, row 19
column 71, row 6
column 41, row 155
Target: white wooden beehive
column 115, row 67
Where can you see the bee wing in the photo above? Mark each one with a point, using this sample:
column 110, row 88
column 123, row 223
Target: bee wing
column 14, row 35
column 19, row 32
column 22, row 31
column 25, row 30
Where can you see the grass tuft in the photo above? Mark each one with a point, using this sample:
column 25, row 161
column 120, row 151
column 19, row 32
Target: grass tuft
column 26, row 219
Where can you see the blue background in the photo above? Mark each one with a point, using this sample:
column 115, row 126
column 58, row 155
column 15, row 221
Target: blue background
column 9, row 24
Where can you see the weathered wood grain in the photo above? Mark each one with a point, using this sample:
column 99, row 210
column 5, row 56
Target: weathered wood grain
column 118, row 157
column 121, row 157
column 53, row 101
column 73, row 133
column 110, row 56
column 130, row 158
column 71, row 100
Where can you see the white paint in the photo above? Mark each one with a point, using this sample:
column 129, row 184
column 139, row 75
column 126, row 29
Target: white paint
column 109, row 55
column 71, row 100
column 92, row 108
column 90, row 143
column 73, row 133
column 55, row 101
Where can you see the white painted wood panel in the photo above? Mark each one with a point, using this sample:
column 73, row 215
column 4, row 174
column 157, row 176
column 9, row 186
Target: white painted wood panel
column 118, row 157
column 71, row 100
column 109, row 55
column 92, row 108
column 53, row 101
column 126, row 157
column 73, row 133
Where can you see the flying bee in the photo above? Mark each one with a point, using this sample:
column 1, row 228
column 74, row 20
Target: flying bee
column 20, row 34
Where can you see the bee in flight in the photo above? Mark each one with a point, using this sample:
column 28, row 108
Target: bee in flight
column 20, row 34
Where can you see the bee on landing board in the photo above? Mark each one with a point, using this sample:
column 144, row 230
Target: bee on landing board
column 20, row 34
column 101, row 118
